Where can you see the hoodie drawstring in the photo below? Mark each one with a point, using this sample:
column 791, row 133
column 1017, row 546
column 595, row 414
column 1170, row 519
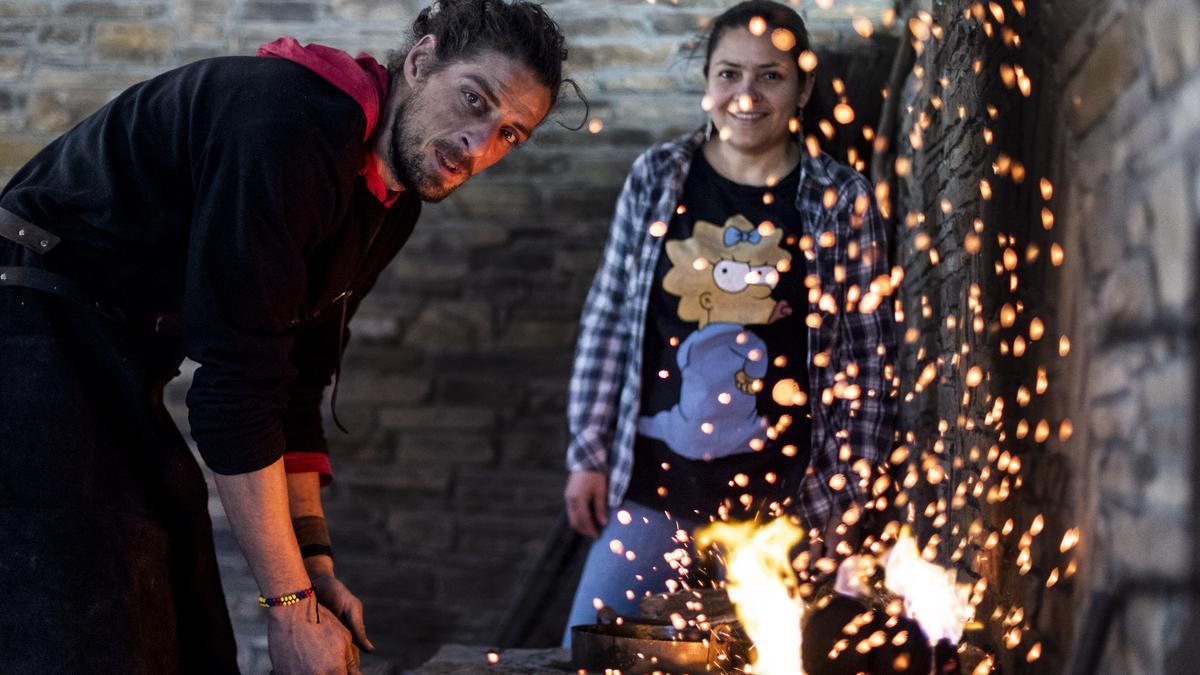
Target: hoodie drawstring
column 337, row 370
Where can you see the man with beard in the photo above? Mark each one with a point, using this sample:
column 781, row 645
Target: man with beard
column 233, row 211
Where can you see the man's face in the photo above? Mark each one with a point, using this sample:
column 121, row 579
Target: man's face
column 449, row 125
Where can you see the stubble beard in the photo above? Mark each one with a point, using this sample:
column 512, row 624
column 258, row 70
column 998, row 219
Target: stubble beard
column 406, row 156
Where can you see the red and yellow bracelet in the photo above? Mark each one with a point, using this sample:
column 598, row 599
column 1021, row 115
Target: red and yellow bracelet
column 287, row 598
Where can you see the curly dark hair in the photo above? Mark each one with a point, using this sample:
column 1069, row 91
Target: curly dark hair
column 520, row 30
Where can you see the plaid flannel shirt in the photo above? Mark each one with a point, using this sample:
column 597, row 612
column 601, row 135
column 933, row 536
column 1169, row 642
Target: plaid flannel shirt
column 846, row 249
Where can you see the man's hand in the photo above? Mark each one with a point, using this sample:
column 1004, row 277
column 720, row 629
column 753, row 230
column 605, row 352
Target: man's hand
column 587, row 502
column 345, row 606
column 299, row 645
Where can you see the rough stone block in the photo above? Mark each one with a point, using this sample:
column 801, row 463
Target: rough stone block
column 15, row 150
column 1175, row 45
column 1173, row 232
column 502, row 388
column 377, row 11
column 445, row 448
column 495, row 199
column 1123, row 475
column 509, row 490
column 115, row 9
column 1133, row 535
column 13, row 64
column 1169, row 489
column 535, row 448
column 637, row 82
column 429, row 270
column 431, row 531
column 62, row 35
column 280, row 10
column 450, row 326
column 445, row 418
column 539, row 334
column 684, row 24
column 641, row 54
column 1127, row 294
column 139, row 43
column 606, row 25
column 24, row 8
column 495, row 536
column 1115, row 419
column 1104, row 77
column 393, row 487
column 60, row 109
column 11, row 101
column 373, row 386
column 381, row 575
column 1110, row 371
column 456, row 582
column 1170, row 387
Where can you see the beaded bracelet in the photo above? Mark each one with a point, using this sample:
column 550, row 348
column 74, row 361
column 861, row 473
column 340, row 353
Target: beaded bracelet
column 286, row 599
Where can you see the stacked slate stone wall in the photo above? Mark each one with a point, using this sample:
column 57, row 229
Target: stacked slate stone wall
column 454, row 386
column 1093, row 239
column 1127, row 159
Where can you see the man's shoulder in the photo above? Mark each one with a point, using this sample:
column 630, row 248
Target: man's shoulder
column 268, row 101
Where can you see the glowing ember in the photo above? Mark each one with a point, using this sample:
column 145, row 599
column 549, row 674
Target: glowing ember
column 862, row 26
column 762, row 587
column 843, row 113
column 1069, row 540
column 807, row 61
column 783, row 39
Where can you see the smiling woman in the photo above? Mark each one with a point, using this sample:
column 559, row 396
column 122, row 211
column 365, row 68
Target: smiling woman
column 699, row 379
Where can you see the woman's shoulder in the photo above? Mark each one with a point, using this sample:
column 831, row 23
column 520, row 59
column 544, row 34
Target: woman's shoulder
column 668, row 154
column 830, row 172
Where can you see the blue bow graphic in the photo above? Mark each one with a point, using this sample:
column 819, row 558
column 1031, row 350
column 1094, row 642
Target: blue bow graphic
column 733, row 236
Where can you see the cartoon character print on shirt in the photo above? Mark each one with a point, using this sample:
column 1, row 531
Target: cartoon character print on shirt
column 723, row 276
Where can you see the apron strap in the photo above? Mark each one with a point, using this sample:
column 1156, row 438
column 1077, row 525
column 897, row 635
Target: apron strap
column 20, row 231
column 57, row 284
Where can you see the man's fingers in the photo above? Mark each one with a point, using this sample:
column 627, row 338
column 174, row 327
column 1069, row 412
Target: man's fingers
column 353, row 619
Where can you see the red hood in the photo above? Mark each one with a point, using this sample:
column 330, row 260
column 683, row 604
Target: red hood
column 362, row 78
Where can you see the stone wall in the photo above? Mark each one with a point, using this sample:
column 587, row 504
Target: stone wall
column 1099, row 253
column 454, row 385
column 1128, row 160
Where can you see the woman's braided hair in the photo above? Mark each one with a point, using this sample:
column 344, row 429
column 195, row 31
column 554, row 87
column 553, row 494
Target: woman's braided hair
column 520, row 30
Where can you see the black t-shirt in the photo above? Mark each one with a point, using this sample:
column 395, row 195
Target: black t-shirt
column 228, row 191
column 724, row 410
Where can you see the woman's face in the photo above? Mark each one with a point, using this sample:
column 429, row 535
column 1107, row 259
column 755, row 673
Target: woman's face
column 755, row 90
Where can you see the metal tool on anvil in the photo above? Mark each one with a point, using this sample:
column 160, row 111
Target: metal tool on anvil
column 637, row 645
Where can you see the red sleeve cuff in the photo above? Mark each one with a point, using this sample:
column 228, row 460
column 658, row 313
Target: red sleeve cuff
column 301, row 462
